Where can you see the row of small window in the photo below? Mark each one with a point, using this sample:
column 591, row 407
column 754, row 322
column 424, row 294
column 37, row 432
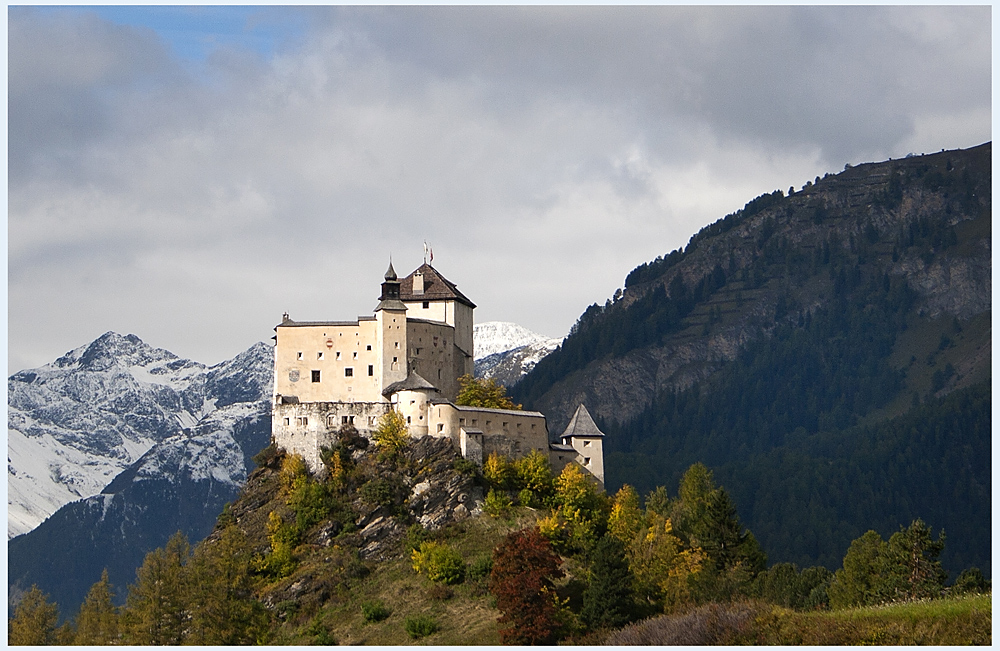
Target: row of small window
column 475, row 421
column 303, row 421
column 348, row 372
column 322, row 354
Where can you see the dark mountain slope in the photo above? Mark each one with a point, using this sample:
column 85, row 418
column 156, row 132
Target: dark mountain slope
column 797, row 321
column 924, row 221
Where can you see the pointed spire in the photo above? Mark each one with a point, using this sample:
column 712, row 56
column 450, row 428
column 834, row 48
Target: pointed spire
column 389, row 300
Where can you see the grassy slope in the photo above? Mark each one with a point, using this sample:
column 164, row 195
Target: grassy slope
column 952, row 621
column 960, row 620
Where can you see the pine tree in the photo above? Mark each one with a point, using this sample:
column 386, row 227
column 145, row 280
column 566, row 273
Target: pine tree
column 34, row 621
column 97, row 623
column 156, row 608
column 222, row 605
column 608, row 601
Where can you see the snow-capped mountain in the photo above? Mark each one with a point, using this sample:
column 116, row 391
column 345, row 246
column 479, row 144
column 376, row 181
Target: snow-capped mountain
column 181, row 484
column 75, row 424
column 505, row 352
column 154, row 444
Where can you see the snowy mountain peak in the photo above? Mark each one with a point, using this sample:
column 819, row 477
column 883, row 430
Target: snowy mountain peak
column 76, row 423
column 495, row 337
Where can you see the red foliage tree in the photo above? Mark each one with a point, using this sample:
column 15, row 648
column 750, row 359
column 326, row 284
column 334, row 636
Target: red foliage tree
column 524, row 566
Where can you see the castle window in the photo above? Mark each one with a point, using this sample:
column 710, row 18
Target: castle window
column 319, row 355
column 397, row 344
column 303, row 421
column 407, row 420
column 488, row 423
column 395, row 359
column 287, row 422
column 338, row 354
column 439, row 374
column 532, row 426
column 427, row 304
column 461, row 421
column 315, row 376
column 440, row 427
column 586, row 461
column 300, row 355
column 368, row 347
column 474, row 421
column 371, row 370
column 519, row 426
column 348, row 372
column 331, row 420
column 418, row 351
column 355, row 354
column 505, row 423
column 586, row 444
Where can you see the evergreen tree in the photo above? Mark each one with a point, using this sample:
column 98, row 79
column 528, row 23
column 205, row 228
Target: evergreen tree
column 857, row 582
column 608, row 601
column 156, row 607
column 34, row 621
column 97, row 623
column 911, row 566
column 223, row 608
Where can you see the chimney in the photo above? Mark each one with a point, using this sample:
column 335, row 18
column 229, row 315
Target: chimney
column 418, row 283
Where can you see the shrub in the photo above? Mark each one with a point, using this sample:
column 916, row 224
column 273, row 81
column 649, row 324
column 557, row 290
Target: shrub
column 374, row 611
column 465, row 467
column 265, row 456
column 440, row 592
column 480, row 567
column 376, row 492
column 420, row 626
column 497, row 504
column 499, row 471
column 438, row 562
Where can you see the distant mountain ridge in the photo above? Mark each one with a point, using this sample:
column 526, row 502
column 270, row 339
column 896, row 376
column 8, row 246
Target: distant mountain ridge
column 794, row 333
column 152, row 443
column 505, row 351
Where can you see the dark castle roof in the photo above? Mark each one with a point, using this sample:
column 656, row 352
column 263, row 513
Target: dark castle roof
column 582, row 425
column 436, row 288
column 413, row 382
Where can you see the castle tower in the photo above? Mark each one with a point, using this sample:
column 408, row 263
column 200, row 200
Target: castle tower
column 583, row 435
column 390, row 316
column 429, row 296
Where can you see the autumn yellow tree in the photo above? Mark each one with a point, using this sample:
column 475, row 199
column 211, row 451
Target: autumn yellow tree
column 34, row 621
column 626, row 518
column 476, row 392
column 391, row 434
column 97, row 623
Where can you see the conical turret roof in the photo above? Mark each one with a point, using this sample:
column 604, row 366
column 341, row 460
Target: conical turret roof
column 582, row 425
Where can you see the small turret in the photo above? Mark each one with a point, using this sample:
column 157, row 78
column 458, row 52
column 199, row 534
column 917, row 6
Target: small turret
column 389, row 300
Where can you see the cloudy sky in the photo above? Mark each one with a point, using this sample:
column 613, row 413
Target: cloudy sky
column 188, row 174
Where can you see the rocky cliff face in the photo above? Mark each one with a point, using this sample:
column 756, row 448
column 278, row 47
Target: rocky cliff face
column 896, row 216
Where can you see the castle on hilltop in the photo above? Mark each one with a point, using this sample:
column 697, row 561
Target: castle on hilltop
column 408, row 356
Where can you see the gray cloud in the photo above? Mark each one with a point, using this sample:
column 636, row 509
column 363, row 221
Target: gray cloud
column 544, row 151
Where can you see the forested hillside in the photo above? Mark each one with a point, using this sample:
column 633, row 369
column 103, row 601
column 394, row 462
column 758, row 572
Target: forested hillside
column 826, row 352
